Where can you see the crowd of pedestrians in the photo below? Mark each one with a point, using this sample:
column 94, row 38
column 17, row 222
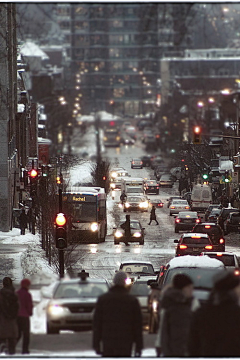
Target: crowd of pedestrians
column 15, row 310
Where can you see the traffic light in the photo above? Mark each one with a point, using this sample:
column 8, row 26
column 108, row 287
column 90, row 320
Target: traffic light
column 197, row 135
column 33, row 176
column 61, row 231
column 226, row 177
column 59, row 179
column 205, row 176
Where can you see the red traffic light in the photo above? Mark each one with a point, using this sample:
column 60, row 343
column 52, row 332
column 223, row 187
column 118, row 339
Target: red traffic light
column 61, row 219
column 33, row 173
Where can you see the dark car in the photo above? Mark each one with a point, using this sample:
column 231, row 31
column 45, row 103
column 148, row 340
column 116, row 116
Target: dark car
column 215, row 233
column 232, row 224
column 137, row 232
column 72, row 304
column 224, row 215
column 209, row 209
column 156, row 161
column 214, row 214
column 146, row 160
column 186, row 220
column 157, row 203
column 193, row 244
column 151, row 187
column 160, row 170
column 166, row 180
column 171, row 198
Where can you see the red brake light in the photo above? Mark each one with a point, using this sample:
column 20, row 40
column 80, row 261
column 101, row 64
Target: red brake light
column 208, row 247
column 195, row 237
column 207, row 226
column 219, row 254
column 186, row 207
column 221, row 241
column 177, row 220
column 197, row 220
column 182, row 247
column 172, row 207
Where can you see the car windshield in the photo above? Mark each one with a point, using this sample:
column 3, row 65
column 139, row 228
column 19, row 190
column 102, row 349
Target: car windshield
column 135, row 199
column 187, row 215
column 81, row 289
column 202, row 277
column 140, row 289
column 195, row 240
column 228, row 260
column 138, row 268
column 180, row 202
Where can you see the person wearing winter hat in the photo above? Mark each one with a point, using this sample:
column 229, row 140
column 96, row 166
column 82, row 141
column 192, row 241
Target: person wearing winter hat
column 177, row 305
column 117, row 321
column 24, row 313
column 8, row 316
column 215, row 328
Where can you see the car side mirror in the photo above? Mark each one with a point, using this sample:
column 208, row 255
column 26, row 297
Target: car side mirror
column 176, row 241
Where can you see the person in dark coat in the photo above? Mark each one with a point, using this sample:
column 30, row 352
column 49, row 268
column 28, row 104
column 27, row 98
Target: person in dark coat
column 117, row 322
column 123, row 197
column 8, row 315
column 215, row 327
column 153, row 215
column 23, row 221
column 24, row 313
column 177, row 305
column 127, row 229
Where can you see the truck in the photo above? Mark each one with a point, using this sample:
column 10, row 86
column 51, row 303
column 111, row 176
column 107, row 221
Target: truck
column 132, row 185
column 201, row 197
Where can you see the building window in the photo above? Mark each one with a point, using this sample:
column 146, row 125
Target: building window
column 223, row 71
column 119, row 93
column 81, row 10
column 64, row 25
column 117, row 24
column 116, row 39
column 114, row 52
column 81, row 25
column 117, row 65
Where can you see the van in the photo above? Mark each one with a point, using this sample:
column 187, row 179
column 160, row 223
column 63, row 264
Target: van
column 201, row 197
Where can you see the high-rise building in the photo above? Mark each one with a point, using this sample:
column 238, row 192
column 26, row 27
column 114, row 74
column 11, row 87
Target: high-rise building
column 114, row 51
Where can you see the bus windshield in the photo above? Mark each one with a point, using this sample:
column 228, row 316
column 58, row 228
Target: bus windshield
column 84, row 212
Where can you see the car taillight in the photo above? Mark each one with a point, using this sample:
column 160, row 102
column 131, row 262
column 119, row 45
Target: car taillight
column 197, row 220
column 207, row 227
column 186, row 207
column 237, row 272
column 221, row 241
column 208, row 247
column 182, row 247
column 172, row 207
column 177, row 220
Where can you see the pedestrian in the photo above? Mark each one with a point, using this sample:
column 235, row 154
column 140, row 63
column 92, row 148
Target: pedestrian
column 127, row 229
column 215, row 327
column 117, row 321
column 153, row 215
column 8, row 316
column 177, row 304
column 23, row 221
column 123, row 197
column 24, row 313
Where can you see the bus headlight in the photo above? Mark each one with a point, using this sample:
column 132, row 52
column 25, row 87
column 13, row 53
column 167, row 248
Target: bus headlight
column 137, row 234
column 94, row 226
column 112, row 186
column 118, row 234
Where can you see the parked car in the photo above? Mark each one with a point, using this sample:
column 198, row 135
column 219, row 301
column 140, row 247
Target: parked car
column 229, row 259
column 72, row 304
column 193, row 244
column 178, row 205
column 186, row 220
column 232, row 223
column 214, row 231
column 151, row 187
column 166, row 180
column 201, row 269
column 137, row 232
column 136, row 164
column 224, row 215
column 136, row 203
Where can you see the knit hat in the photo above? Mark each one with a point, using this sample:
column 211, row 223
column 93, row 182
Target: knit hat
column 25, row 283
column 120, row 278
column 226, row 281
column 7, row 282
column 181, row 280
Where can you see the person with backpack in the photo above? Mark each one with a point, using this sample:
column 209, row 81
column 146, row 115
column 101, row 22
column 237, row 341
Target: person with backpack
column 25, row 311
column 9, row 306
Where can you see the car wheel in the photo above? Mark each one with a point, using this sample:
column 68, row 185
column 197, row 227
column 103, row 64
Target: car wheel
column 51, row 330
column 141, row 242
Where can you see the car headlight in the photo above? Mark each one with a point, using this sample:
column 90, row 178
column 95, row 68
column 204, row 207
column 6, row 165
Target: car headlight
column 56, row 310
column 143, row 205
column 137, row 234
column 114, row 175
column 127, row 205
column 94, row 227
column 120, row 205
column 112, row 186
column 118, row 234
column 128, row 281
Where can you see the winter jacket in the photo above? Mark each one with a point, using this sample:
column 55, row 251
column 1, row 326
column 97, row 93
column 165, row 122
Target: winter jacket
column 117, row 323
column 153, row 214
column 215, row 328
column 8, row 313
column 175, row 319
column 25, row 301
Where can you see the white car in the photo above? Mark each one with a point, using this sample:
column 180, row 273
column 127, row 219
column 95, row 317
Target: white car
column 178, row 205
column 136, row 164
column 229, row 259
